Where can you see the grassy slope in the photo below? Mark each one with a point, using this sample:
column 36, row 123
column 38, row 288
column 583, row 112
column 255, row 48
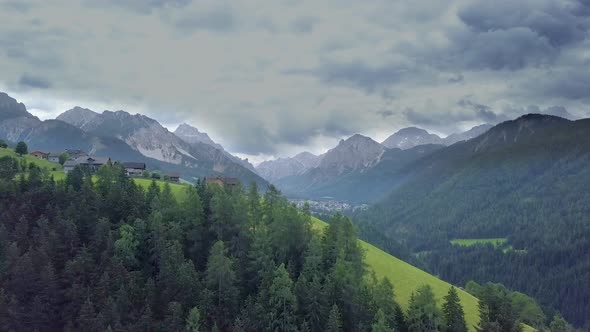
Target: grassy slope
column 407, row 278
column 30, row 159
column 178, row 190
column 470, row 242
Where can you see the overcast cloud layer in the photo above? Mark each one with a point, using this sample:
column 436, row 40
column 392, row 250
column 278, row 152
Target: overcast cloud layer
column 276, row 77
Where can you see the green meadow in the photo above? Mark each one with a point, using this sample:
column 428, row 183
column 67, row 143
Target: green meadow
column 407, row 278
column 30, row 159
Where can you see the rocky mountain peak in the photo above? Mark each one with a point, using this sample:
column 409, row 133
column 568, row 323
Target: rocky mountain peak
column 192, row 135
column 410, row 137
column 307, row 159
column 356, row 152
column 78, row 116
column 11, row 108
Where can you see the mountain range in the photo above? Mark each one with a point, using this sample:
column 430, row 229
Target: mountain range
column 358, row 169
column 525, row 181
column 123, row 136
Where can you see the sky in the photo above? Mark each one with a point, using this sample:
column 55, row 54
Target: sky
column 277, row 77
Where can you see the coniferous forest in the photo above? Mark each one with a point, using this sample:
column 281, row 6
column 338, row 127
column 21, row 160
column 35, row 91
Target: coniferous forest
column 103, row 254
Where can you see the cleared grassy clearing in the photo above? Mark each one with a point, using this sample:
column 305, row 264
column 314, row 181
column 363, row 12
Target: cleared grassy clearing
column 496, row 242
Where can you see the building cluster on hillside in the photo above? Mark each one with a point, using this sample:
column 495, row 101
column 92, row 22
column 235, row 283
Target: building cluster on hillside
column 222, row 181
column 328, row 206
column 77, row 157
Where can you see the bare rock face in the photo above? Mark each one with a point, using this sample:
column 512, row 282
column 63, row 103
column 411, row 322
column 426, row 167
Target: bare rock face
column 356, row 152
column 78, row 117
column 280, row 168
column 193, row 136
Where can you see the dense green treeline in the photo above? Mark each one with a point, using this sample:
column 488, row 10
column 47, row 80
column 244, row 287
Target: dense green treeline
column 525, row 180
column 110, row 256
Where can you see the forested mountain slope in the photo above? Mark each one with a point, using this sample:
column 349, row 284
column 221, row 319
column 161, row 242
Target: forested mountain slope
column 96, row 253
column 524, row 179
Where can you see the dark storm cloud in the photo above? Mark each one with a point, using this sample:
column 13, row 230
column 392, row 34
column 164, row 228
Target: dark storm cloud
column 511, row 112
column 16, row 5
column 252, row 137
column 31, row 81
column 553, row 20
column 569, row 84
column 581, row 8
column 361, row 75
column 456, row 79
column 481, row 112
column 385, row 113
column 16, row 44
column 511, row 49
column 559, row 111
column 220, row 19
column 303, row 24
column 139, row 6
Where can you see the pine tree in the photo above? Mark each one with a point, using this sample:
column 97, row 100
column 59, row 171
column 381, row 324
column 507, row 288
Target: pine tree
column 400, row 319
column 221, row 282
column 87, row 316
column 454, row 317
column 380, row 324
column 423, row 315
column 193, row 321
column 334, row 320
column 282, row 302
column 173, row 320
column 383, row 298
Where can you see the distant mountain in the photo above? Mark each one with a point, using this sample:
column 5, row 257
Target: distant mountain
column 525, row 180
column 78, row 117
column 148, row 137
column 193, row 136
column 410, row 137
column 308, row 159
column 15, row 121
column 359, row 170
column 363, row 185
column 274, row 170
column 121, row 136
column 467, row 135
column 355, row 153
column 11, row 108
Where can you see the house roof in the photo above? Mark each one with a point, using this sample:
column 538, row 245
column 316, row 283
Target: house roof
column 40, row 152
column 135, row 165
column 173, row 175
column 95, row 161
